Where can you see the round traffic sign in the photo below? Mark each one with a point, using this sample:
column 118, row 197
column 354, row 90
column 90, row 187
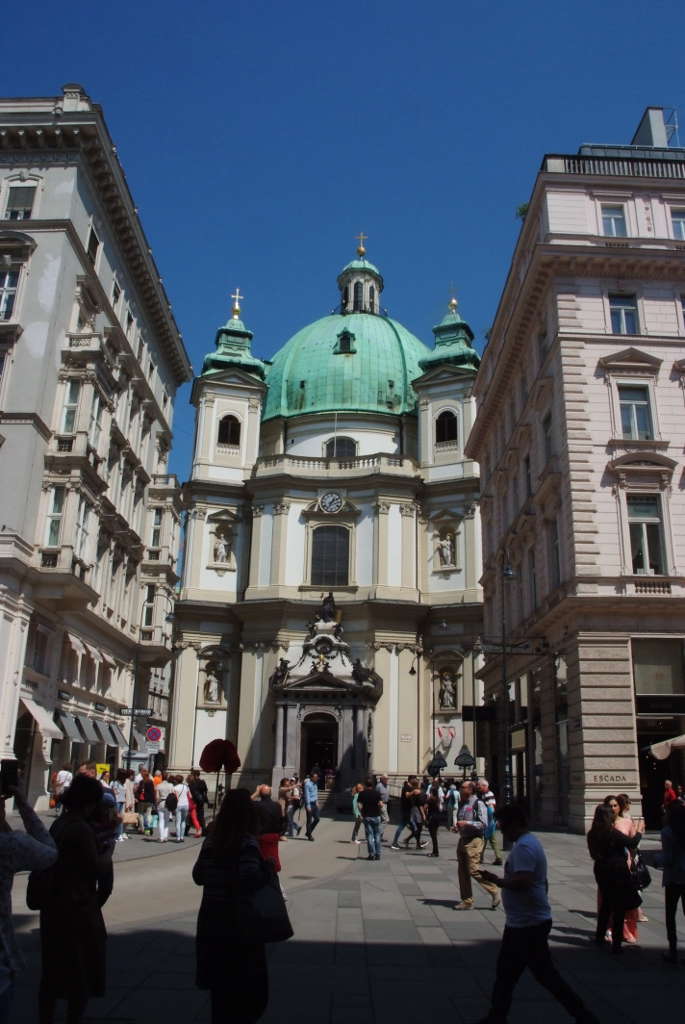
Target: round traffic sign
column 154, row 734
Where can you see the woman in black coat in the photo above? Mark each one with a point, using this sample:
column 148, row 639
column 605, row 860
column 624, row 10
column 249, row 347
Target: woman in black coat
column 230, row 863
column 609, row 850
column 72, row 930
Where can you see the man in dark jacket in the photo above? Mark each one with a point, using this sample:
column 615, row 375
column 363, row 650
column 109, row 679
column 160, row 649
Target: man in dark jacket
column 198, row 791
column 269, row 813
column 145, row 801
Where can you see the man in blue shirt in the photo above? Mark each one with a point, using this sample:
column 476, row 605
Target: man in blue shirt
column 311, row 804
column 529, row 921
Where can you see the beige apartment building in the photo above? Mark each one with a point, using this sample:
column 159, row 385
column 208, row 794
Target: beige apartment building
column 90, row 360
column 580, row 435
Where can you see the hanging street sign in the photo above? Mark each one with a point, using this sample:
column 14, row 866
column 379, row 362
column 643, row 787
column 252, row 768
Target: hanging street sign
column 143, row 712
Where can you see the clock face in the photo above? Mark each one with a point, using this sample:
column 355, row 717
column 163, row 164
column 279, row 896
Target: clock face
column 331, row 502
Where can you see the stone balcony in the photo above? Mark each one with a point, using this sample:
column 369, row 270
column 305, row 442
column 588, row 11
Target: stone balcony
column 379, row 464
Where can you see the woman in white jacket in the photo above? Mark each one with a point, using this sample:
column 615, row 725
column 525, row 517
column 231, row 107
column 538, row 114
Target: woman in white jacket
column 182, row 791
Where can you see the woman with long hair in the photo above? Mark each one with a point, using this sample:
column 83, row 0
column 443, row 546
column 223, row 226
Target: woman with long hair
column 608, row 849
column 673, row 881
column 72, row 930
column 230, row 863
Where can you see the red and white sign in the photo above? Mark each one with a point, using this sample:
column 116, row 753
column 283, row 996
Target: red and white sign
column 154, row 734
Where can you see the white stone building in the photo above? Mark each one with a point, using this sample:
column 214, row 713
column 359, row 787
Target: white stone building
column 337, row 467
column 580, row 437
column 90, row 359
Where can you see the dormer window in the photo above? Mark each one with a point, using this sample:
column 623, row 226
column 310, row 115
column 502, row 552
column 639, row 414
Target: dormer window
column 229, row 431
column 345, row 343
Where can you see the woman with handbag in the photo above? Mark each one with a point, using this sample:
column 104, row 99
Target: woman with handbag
column 617, row 889
column 242, row 909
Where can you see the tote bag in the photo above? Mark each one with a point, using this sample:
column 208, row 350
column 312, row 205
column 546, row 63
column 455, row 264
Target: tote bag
column 262, row 914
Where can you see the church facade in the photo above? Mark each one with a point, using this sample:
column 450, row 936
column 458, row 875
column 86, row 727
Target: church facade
column 330, row 599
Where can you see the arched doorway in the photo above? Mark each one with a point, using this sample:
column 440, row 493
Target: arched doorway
column 319, row 745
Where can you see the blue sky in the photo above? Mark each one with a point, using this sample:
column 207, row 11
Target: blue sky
column 260, row 137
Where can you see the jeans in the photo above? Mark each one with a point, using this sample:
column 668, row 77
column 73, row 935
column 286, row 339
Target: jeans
column 355, row 829
column 673, row 894
column 120, row 826
column 400, row 829
column 372, row 827
column 163, row 816
column 312, row 818
column 181, row 816
column 527, row 947
column 385, row 819
column 144, row 816
column 293, row 827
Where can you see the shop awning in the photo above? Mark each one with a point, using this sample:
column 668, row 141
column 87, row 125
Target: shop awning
column 108, row 659
column 88, row 729
column 43, row 719
column 118, row 735
column 76, row 644
column 94, row 653
column 663, row 750
column 105, row 731
column 68, row 723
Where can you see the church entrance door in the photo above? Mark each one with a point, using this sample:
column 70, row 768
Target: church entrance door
column 319, row 747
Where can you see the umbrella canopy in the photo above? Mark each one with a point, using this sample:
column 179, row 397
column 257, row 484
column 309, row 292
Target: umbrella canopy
column 663, row 750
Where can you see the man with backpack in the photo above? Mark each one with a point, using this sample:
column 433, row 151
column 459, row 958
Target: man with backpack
column 488, row 798
column 472, row 822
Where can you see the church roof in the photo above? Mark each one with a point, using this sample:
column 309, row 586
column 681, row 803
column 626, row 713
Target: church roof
column 313, row 372
column 453, row 344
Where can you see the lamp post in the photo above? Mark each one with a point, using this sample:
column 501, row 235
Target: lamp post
column 170, row 617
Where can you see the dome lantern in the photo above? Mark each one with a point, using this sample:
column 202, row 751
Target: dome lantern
column 234, row 346
column 360, row 283
column 453, row 343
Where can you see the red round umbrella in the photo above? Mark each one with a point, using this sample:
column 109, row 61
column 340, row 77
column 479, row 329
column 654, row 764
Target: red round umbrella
column 219, row 754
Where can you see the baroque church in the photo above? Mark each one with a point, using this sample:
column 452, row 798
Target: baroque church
column 330, row 599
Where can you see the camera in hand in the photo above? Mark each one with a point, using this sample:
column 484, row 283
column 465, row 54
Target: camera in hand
column 9, row 777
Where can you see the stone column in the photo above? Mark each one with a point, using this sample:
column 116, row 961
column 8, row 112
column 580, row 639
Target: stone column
column 381, row 544
column 279, row 543
column 408, row 547
column 181, row 729
column 255, row 550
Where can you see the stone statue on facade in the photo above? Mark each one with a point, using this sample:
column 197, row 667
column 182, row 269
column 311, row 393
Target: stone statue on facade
column 280, row 673
column 448, row 689
column 222, row 548
column 327, row 611
column 446, row 550
column 212, row 686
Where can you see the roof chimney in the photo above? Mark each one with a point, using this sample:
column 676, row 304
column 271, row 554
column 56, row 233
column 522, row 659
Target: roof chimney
column 651, row 130
column 75, row 97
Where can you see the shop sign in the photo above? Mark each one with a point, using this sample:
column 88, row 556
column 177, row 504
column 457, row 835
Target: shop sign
column 609, row 778
column 661, row 704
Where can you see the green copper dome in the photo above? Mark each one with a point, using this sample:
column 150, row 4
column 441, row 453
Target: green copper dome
column 354, row 362
column 453, row 344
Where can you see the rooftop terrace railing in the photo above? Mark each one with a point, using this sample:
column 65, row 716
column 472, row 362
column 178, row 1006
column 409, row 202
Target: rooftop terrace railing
column 615, row 167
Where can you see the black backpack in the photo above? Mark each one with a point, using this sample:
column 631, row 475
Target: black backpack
column 171, row 802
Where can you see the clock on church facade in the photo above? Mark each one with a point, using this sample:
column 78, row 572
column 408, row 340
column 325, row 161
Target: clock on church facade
column 332, row 558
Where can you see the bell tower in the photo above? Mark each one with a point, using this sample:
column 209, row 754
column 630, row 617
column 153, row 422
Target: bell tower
column 360, row 283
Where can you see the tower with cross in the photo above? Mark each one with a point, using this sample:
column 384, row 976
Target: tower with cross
column 360, row 283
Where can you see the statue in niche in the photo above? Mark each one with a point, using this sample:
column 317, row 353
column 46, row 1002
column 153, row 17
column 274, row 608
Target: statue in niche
column 446, row 549
column 279, row 674
column 327, row 609
column 448, row 689
column 212, row 690
column 222, row 546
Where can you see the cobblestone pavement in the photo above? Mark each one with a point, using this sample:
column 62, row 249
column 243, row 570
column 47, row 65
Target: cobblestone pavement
column 375, row 943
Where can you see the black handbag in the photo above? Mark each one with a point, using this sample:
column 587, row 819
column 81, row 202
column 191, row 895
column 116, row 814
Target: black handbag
column 640, row 872
column 262, row 914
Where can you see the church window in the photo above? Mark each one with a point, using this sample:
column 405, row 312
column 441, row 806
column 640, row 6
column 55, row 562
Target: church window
column 345, row 343
column 346, row 299
column 330, row 556
column 446, row 428
column 358, row 297
column 341, row 448
column 372, row 299
column 229, row 431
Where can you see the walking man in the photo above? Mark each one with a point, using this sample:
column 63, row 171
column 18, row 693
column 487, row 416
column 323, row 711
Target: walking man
column 529, row 921
column 371, row 806
column 383, row 790
column 472, row 821
column 405, row 809
column 488, row 798
column 311, row 804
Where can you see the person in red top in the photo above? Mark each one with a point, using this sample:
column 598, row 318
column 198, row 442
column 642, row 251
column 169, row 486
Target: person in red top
column 669, row 793
column 270, row 824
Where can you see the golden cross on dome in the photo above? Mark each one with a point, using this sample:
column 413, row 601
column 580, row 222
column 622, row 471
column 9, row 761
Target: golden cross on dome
column 236, row 296
column 453, row 301
column 361, row 251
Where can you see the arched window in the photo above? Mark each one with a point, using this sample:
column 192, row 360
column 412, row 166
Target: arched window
column 341, row 448
column 330, row 556
column 445, row 427
column 358, row 297
column 345, row 299
column 372, row 299
column 229, row 430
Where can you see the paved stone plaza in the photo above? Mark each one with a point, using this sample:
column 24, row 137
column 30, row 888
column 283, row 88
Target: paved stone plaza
column 375, row 943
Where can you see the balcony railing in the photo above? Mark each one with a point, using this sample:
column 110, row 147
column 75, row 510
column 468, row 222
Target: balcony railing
column 362, row 465
column 616, row 166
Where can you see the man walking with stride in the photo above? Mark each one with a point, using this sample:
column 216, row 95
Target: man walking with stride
column 529, row 921
column 311, row 804
column 472, row 822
